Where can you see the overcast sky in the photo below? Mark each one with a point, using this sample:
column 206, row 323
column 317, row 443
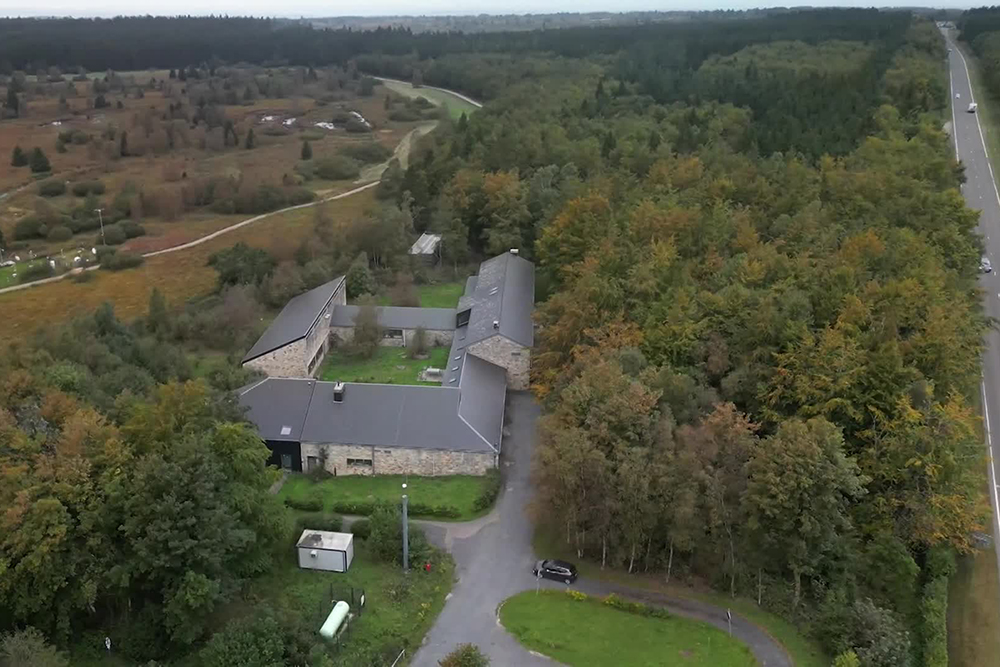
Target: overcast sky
column 310, row 8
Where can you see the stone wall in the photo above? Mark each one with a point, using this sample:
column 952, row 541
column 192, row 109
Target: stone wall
column 434, row 338
column 289, row 361
column 507, row 354
column 398, row 460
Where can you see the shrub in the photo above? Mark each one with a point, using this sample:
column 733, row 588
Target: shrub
column 122, row 260
column 318, row 522
column 637, row 608
column 363, row 507
column 491, row 489
column 442, row 511
column 52, row 188
column 18, row 158
column 36, row 271
column 466, row 655
column 418, row 344
column 313, row 502
column 29, row 227
column 132, row 229
column 29, row 647
column 337, row 167
column 934, row 623
column 60, row 233
column 367, row 152
column 84, row 188
column 38, row 163
column 113, row 235
column 361, row 529
column 83, row 277
column 254, row 641
column 103, row 252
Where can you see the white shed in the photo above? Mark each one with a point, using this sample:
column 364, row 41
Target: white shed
column 324, row 550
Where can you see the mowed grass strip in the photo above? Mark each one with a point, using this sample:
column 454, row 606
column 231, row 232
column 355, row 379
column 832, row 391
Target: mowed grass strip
column 974, row 612
column 389, row 365
column 459, row 491
column 456, row 105
column 589, row 633
column 180, row 276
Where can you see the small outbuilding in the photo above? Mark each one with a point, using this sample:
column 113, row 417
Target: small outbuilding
column 325, row 550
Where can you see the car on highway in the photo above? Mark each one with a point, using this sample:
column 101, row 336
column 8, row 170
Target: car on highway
column 985, row 266
column 558, row 570
column 972, row 107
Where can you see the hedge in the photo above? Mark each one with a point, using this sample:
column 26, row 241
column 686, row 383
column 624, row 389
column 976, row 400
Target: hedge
column 60, row 233
column 638, row 608
column 491, row 490
column 934, row 623
column 312, row 503
column 330, row 522
column 364, row 508
column 84, row 188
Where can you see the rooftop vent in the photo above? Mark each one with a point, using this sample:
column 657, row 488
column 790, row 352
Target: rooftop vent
column 514, row 251
column 286, row 430
column 338, row 392
column 496, row 324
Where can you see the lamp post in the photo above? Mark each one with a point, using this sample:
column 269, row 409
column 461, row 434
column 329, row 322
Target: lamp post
column 100, row 217
column 406, row 540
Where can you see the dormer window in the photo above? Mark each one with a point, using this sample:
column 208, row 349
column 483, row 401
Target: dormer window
column 462, row 318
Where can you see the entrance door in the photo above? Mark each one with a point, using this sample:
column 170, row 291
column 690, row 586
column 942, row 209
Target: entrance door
column 312, row 463
column 286, row 461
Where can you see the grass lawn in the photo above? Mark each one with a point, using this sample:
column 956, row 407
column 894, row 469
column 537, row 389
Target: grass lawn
column 589, row 633
column 438, row 295
column 390, row 365
column 459, row 491
column 804, row 651
column 398, row 609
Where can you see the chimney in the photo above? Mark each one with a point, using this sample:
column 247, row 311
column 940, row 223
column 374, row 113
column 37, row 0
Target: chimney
column 496, row 324
column 514, row 251
column 338, row 392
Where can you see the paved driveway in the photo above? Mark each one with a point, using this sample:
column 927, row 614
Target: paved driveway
column 494, row 556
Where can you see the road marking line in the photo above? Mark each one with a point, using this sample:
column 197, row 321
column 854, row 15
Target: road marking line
column 989, row 442
column 978, row 124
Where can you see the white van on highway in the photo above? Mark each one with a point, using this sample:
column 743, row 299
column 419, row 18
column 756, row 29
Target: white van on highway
column 972, row 107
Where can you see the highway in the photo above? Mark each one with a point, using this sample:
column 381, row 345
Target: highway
column 980, row 192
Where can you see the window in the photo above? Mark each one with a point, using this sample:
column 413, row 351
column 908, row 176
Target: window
column 462, row 318
column 312, row 463
column 392, row 333
column 364, row 463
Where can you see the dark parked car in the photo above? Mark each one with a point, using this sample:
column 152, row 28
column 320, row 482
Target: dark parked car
column 559, row 570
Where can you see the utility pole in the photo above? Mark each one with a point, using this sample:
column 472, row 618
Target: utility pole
column 100, row 217
column 406, row 540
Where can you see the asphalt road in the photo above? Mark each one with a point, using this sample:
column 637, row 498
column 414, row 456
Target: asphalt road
column 494, row 556
column 980, row 192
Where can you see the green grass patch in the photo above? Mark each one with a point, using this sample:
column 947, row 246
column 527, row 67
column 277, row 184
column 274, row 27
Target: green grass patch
column 399, row 609
column 804, row 651
column 389, row 365
column 438, row 295
column 973, row 614
column 588, row 632
column 459, row 491
column 456, row 105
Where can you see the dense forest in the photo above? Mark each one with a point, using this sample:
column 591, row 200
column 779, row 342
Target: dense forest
column 754, row 365
column 758, row 323
column 981, row 28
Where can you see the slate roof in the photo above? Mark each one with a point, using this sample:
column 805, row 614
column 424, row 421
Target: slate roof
column 295, row 319
column 386, row 415
column 397, row 317
column 504, row 292
column 279, row 409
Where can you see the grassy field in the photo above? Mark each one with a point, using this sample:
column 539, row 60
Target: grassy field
column 398, row 609
column 437, row 295
column 588, row 633
column 804, row 651
column 390, row 365
column 974, row 612
column 459, row 491
column 456, row 105
column 179, row 276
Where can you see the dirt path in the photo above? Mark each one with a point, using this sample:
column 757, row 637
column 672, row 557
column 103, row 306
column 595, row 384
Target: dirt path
column 401, row 153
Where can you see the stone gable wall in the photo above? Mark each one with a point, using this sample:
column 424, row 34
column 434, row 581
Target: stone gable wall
column 289, row 361
column 507, row 354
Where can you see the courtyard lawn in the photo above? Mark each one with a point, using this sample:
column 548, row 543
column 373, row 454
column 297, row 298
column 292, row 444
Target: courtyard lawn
column 458, row 491
column 438, row 295
column 589, row 633
column 390, row 365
